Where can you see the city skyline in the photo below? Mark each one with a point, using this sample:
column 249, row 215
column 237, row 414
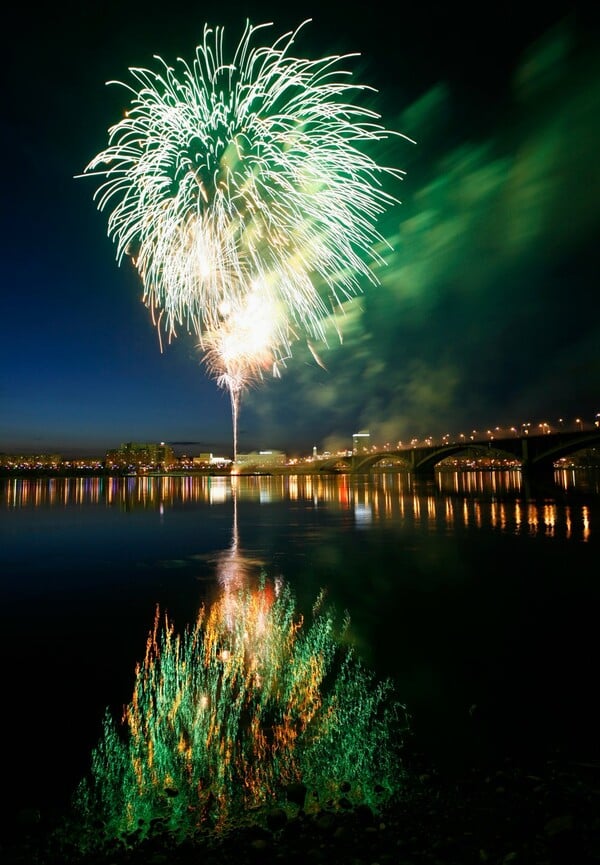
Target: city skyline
column 360, row 442
column 487, row 311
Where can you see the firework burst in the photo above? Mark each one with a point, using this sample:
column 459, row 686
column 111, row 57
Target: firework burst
column 228, row 178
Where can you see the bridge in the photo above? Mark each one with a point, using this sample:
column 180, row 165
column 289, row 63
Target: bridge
column 536, row 454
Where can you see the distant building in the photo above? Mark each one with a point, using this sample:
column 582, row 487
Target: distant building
column 30, row 461
column 203, row 461
column 141, row 455
column 361, row 442
column 261, row 460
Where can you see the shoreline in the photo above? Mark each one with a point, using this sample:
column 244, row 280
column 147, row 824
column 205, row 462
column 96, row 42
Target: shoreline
column 538, row 813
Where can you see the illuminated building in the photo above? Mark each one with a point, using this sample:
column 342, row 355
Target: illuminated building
column 30, row 461
column 208, row 460
column 361, row 441
column 261, row 460
column 141, row 455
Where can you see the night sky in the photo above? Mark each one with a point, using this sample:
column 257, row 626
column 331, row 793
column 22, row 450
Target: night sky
column 488, row 309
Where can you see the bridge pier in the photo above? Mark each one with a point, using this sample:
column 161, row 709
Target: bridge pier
column 538, row 473
column 535, row 472
column 426, row 473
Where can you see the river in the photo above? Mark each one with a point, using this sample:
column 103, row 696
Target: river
column 476, row 592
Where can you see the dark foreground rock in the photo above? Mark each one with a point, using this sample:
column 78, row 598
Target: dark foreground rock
column 509, row 815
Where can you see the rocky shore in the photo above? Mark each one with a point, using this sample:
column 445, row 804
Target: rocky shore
column 510, row 814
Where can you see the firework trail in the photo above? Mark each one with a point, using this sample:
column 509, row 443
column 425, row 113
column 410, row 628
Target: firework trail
column 229, row 178
column 238, row 352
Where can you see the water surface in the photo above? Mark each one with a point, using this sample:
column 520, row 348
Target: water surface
column 476, row 592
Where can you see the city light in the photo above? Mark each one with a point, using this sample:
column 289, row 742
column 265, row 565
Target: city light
column 147, row 458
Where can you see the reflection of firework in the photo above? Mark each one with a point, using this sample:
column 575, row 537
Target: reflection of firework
column 234, row 568
column 224, row 717
column 230, row 177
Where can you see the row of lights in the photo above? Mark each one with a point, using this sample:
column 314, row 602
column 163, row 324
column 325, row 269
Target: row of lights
column 523, row 430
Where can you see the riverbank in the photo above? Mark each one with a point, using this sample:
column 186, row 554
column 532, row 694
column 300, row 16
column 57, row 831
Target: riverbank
column 546, row 814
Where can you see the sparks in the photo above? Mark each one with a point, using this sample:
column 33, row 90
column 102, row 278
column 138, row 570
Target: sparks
column 223, row 176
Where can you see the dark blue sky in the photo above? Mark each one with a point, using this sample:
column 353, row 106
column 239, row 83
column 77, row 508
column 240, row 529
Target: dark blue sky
column 488, row 310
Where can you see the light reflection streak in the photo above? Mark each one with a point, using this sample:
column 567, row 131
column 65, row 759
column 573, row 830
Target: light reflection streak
column 461, row 501
column 431, row 512
column 416, row 508
column 532, row 518
column 574, row 478
column 550, row 518
column 586, row 522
